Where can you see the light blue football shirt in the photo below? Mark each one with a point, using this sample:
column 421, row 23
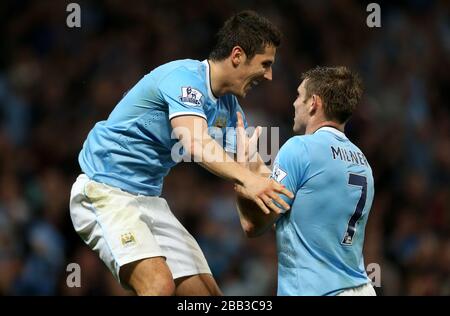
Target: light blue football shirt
column 320, row 240
column 132, row 149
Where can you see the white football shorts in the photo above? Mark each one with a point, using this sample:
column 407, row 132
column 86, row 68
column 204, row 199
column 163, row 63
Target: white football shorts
column 362, row 290
column 122, row 228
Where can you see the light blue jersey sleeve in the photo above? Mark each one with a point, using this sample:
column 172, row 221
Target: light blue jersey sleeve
column 184, row 93
column 290, row 166
column 230, row 139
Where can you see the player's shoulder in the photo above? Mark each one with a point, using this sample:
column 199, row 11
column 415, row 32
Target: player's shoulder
column 180, row 64
column 298, row 140
column 293, row 145
column 293, row 154
column 301, row 147
column 183, row 69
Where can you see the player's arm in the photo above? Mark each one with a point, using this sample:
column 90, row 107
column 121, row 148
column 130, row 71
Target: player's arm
column 287, row 169
column 253, row 221
column 191, row 130
column 255, row 165
column 247, row 156
column 259, row 167
column 246, row 149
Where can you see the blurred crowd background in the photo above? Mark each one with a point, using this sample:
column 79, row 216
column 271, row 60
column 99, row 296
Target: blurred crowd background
column 56, row 82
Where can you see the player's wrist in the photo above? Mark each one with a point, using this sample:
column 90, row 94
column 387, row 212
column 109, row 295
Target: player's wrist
column 244, row 176
column 255, row 167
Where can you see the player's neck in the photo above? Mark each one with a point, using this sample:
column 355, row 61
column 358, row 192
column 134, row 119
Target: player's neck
column 219, row 78
column 216, row 78
column 310, row 129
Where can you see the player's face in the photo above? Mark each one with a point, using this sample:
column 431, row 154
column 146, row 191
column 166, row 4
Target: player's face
column 255, row 70
column 301, row 113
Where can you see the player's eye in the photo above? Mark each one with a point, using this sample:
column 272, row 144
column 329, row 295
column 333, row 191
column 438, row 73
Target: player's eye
column 267, row 64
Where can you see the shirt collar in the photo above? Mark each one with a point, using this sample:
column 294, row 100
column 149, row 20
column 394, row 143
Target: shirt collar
column 333, row 130
column 208, row 80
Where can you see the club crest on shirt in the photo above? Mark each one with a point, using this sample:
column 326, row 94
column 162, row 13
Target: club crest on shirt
column 190, row 96
column 278, row 174
column 221, row 121
column 127, row 239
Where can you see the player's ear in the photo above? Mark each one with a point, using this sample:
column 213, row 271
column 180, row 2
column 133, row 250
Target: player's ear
column 237, row 56
column 314, row 104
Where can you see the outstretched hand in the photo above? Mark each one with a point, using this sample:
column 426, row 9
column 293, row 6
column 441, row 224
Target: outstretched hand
column 264, row 192
column 246, row 148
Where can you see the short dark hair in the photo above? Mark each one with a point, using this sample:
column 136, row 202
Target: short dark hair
column 248, row 30
column 339, row 87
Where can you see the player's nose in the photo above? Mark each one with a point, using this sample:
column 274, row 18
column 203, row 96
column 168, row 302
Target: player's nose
column 268, row 74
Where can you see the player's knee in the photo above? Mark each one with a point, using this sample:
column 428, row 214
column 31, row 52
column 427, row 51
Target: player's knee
column 215, row 291
column 149, row 277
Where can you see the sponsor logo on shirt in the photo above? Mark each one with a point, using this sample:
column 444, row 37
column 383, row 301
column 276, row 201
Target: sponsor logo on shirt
column 190, row 96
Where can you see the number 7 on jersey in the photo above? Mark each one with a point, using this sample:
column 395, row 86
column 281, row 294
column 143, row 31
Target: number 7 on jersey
column 361, row 181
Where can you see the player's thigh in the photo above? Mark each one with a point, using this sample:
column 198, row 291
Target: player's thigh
column 183, row 254
column 110, row 222
column 197, row 285
column 150, row 276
